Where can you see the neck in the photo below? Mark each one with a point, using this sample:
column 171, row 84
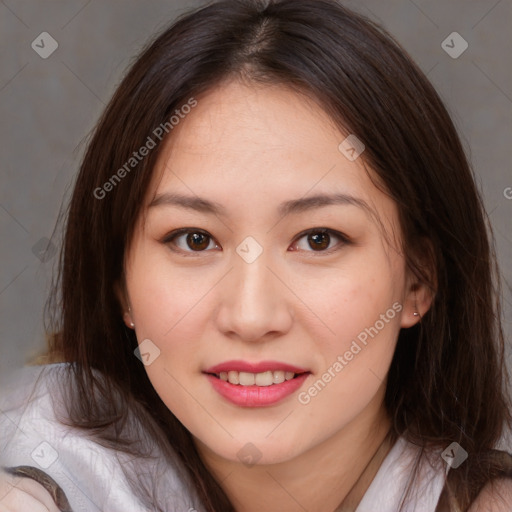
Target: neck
column 334, row 474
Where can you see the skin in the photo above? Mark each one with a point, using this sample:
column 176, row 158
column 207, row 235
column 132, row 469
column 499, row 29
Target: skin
column 250, row 148
column 18, row 494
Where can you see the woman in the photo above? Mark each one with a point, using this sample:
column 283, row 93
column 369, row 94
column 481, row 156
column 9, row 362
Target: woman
column 277, row 289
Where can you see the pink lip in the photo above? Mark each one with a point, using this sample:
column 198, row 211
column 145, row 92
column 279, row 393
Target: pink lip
column 256, row 396
column 263, row 366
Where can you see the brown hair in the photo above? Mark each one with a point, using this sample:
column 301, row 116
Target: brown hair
column 447, row 381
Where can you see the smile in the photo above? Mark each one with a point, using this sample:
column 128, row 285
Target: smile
column 259, row 379
column 255, row 385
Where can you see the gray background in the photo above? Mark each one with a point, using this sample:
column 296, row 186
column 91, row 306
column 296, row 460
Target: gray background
column 48, row 107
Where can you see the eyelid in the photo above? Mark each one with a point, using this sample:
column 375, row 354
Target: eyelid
column 170, row 237
column 345, row 240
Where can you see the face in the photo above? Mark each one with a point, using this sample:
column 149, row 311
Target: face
column 242, row 268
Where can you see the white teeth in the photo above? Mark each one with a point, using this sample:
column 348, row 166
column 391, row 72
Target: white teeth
column 260, row 379
column 233, row 377
column 264, row 379
column 246, row 379
column 278, row 377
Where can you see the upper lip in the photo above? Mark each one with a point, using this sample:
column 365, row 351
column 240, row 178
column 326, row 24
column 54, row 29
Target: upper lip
column 262, row 366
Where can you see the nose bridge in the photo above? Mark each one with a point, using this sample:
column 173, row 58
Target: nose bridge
column 253, row 279
column 253, row 302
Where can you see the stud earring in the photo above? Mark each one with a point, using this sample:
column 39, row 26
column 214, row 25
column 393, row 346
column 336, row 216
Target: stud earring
column 128, row 319
column 415, row 306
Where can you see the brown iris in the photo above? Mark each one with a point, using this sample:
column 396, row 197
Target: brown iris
column 319, row 240
column 197, row 241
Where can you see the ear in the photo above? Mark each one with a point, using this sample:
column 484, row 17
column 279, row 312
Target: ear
column 416, row 304
column 124, row 304
column 420, row 292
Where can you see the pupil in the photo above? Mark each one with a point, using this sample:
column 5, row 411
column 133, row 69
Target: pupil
column 197, row 241
column 320, row 240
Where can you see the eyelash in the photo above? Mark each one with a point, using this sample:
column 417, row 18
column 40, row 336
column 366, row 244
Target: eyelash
column 171, row 237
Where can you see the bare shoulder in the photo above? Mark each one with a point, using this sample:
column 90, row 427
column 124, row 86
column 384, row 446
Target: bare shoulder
column 496, row 496
column 19, row 494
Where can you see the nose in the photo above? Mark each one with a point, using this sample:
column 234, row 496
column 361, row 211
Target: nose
column 255, row 304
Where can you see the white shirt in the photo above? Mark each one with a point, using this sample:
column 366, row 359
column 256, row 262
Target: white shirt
column 387, row 490
column 91, row 476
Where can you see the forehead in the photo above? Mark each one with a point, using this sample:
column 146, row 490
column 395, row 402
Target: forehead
column 263, row 144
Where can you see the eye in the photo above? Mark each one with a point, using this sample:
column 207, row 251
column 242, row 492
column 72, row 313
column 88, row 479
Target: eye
column 192, row 240
column 319, row 239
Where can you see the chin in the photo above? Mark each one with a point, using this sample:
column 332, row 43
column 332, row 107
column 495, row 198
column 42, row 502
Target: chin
column 262, row 451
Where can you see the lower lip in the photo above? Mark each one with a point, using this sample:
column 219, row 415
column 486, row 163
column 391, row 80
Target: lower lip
column 256, row 396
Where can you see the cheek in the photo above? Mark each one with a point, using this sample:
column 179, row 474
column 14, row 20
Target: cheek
column 162, row 297
column 361, row 308
column 168, row 312
column 355, row 299
column 364, row 316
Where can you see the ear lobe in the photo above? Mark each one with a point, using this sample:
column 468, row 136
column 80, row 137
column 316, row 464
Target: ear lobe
column 417, row 303
column 422, row 282
column 125, row 308
column 128, row 320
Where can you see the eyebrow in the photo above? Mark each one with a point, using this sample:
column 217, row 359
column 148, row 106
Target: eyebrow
column 293, row 206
